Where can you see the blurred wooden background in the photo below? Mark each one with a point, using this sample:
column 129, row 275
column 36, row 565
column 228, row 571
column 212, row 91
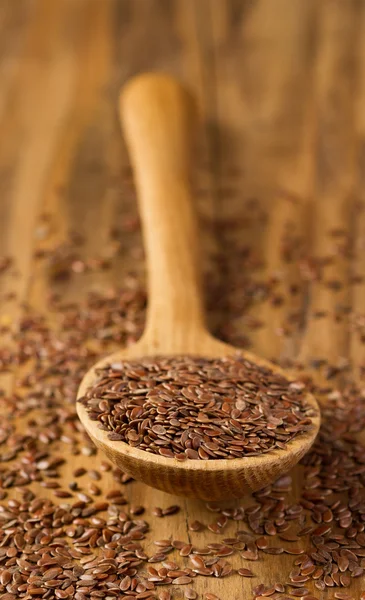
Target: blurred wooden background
column 281, row 85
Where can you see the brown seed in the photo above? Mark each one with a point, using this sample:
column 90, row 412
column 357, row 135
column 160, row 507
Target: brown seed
column 125, row 583
column 322, row 529
column 288, row 537
column 196, row 526
column 328, row 581
column 60, row 593
column 268, row 592
column 138, row 400
column 171, row 510
column 317, row 573
column 270, row 528
column 294, row 551
column 245, row 572
column 5, row 578
column 62, row 494
column 262, row 543
column 185, row 550
column 182, row 580
column 250, row 554
column 79, row 472
column 197, row 561
column 343, row 563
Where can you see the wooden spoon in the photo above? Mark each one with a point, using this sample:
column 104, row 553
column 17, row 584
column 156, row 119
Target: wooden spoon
column 158, row 118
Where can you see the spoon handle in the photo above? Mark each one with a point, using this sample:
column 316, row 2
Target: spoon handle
column 158, row 118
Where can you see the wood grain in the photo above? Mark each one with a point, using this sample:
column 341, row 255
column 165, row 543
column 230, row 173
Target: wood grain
column 281, row 87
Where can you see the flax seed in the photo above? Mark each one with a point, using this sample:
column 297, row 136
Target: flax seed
column 143, row 387
column 245, row 572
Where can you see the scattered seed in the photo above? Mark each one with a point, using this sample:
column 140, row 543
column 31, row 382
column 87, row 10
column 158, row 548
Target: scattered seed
column 245, row 572
column 190, row 594
column 196, row 526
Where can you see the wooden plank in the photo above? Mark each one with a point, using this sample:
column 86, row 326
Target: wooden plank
column 326, row 333
column 270, row 72
column 276, row 147
column 84, row 187
column 12, row 28
column 35, row 108
column 357, row 350
column 265, row 141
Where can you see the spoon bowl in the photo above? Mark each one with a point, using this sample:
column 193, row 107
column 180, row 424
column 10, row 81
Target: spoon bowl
column 158, row 118
column 204, row 479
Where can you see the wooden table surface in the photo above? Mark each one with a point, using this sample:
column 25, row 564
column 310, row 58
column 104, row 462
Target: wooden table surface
column 281, row 85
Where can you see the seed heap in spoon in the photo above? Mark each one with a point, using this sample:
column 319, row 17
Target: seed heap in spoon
column 191, row 407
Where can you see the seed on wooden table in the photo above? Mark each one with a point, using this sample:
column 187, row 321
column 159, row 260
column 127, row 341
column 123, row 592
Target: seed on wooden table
column 320, row 585
column 294, row 551
column 170, row 510
column 262, row 543
column 136, row 510
column 245, row 572
column 197, row 561
column 95, row 475
column 268, row 592
column 94, row 489
column 259, row 589
column 79, row 472
column 251, row 553
column 276, row 550
column 300, row 592
column 62, row 494
column 270, row 528
column 289, row 537
column 182, row 580
column 196, row 526
column 185, row 550
column 317, row 573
